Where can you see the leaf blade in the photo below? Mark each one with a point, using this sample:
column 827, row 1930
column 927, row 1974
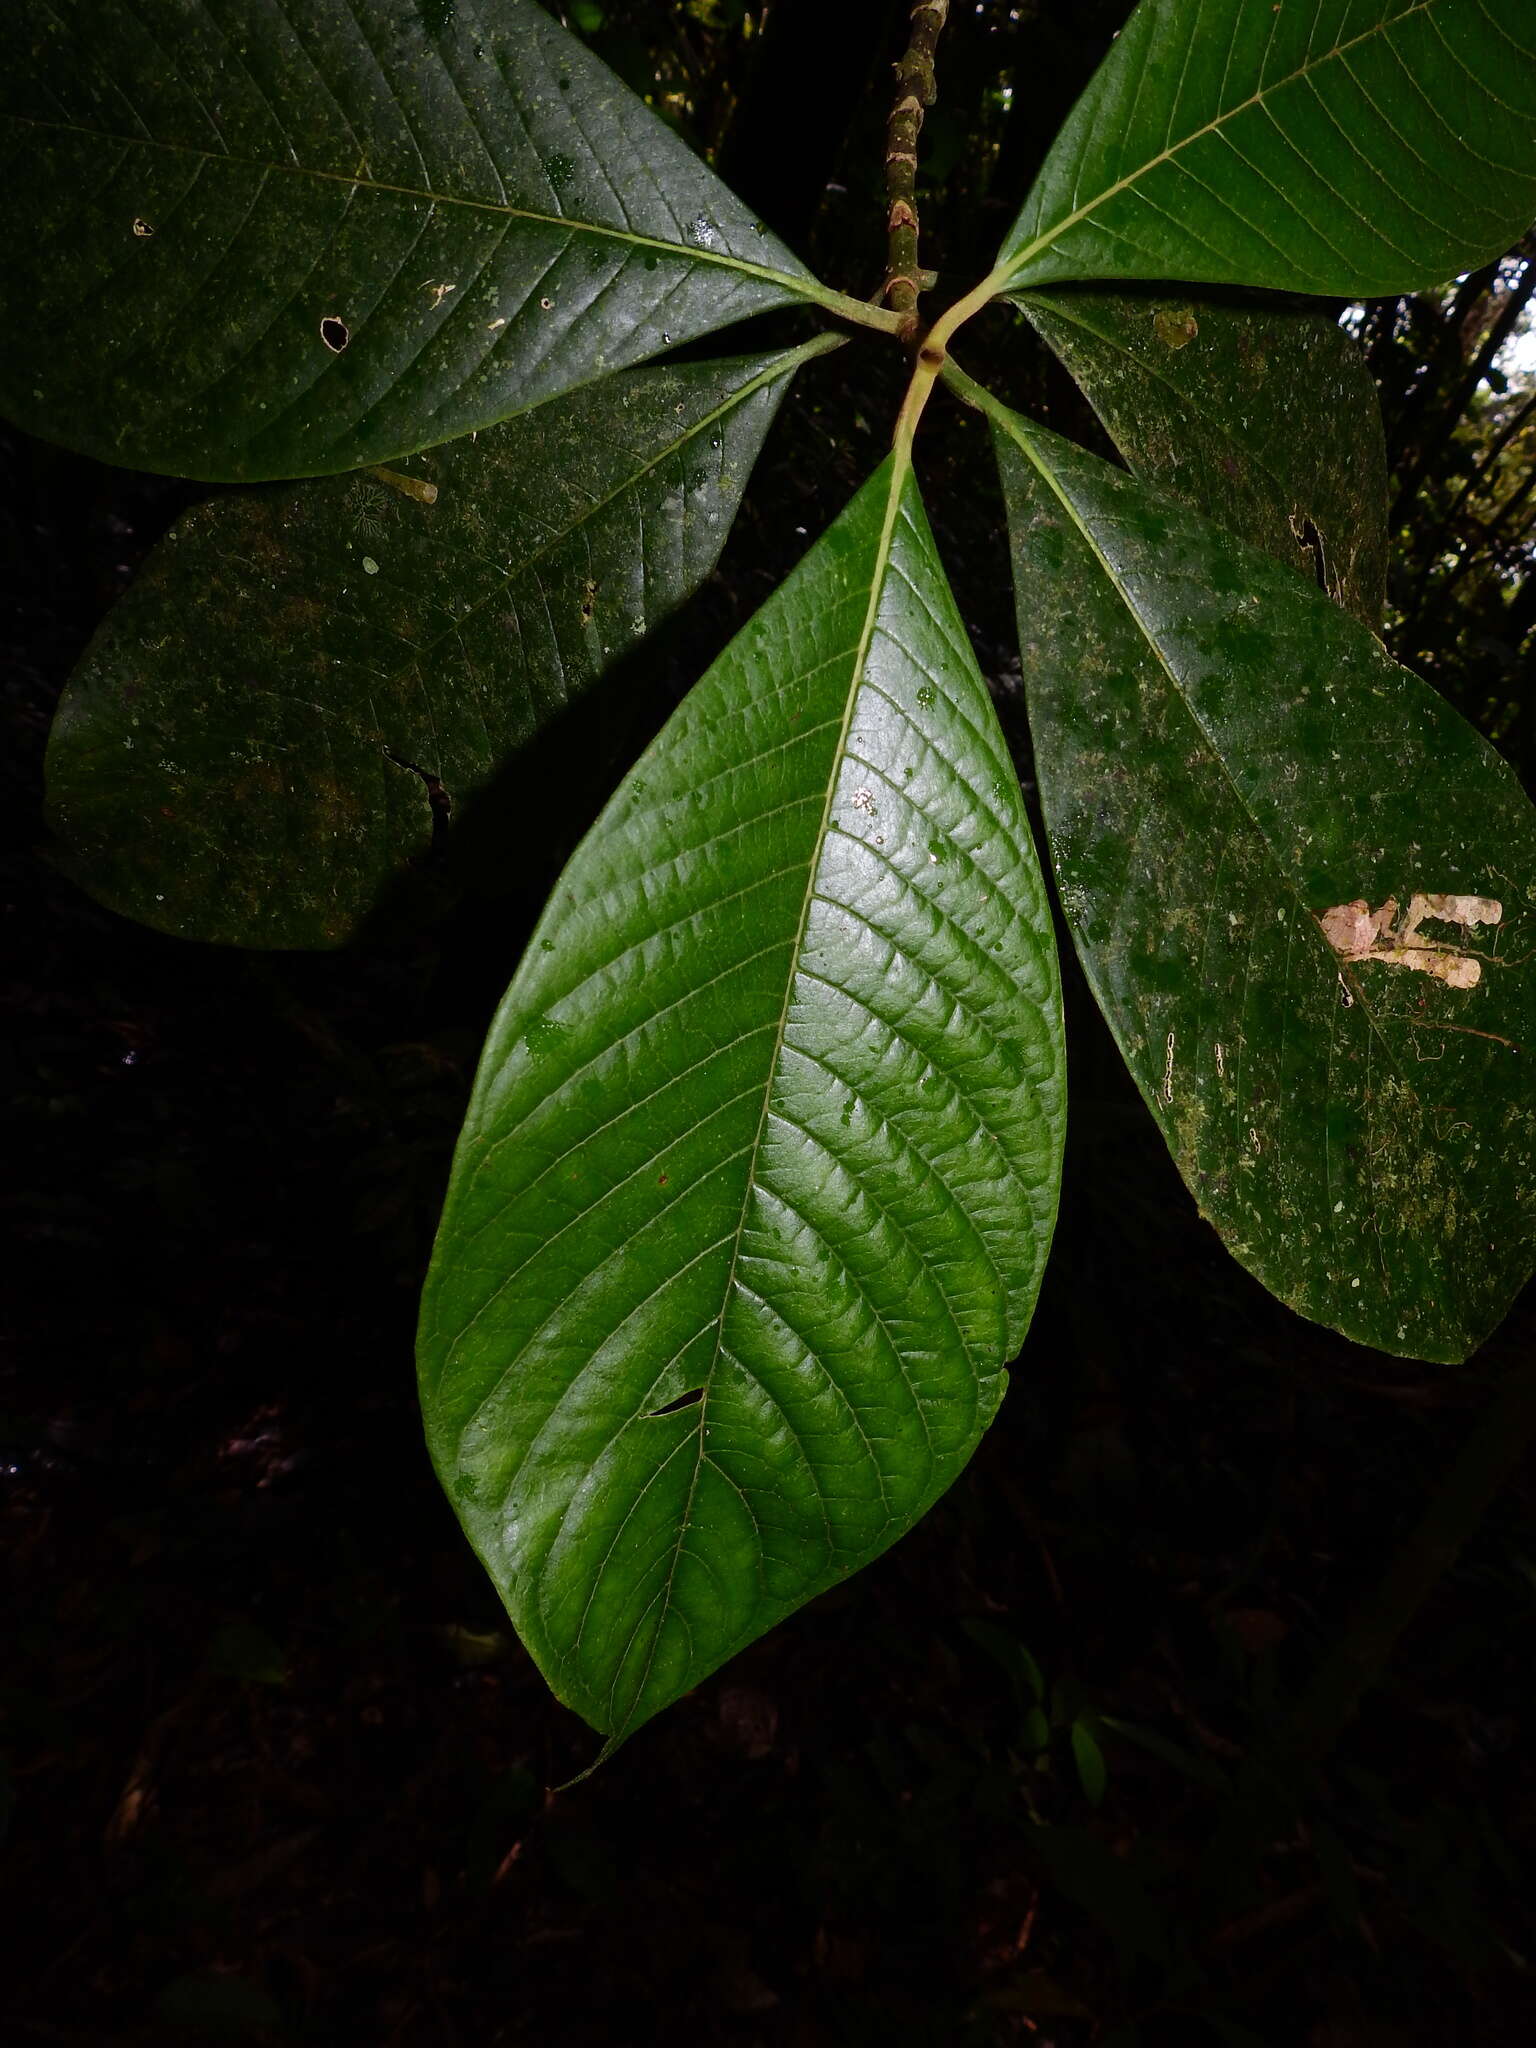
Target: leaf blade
column 245, row 752
column 1359, row 148
column 1349, row 1114
column 1264, row 417
column 815, row 1169
column 399, row 237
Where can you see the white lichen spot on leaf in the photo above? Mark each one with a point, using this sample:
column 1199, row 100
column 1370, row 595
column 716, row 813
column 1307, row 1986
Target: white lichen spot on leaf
column 1394, row 938
column 370, row 507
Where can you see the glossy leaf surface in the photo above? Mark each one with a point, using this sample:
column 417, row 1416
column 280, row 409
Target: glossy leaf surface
column 1264, row 417
column 243, row 753
column 1304, row 892
column 1349, row 147
column 254, row 240
column 761, row 1167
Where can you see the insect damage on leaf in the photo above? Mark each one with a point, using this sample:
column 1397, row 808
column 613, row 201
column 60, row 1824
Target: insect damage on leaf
column 1358, row 933
column 1307, row 538
column 1175, row 329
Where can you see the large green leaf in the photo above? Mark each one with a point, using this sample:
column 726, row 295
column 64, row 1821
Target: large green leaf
column 244, row 752
column 761, row 1167
column 1350, row 147
column 253, row 240
column 1304, row 892
column 1263, row 416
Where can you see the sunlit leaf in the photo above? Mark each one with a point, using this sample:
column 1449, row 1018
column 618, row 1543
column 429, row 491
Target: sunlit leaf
column 1350, row 147
column 761, row 1167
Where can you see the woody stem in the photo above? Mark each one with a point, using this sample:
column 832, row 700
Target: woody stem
column 915, row 93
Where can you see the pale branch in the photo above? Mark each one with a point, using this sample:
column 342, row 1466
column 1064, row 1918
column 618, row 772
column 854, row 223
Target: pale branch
column 916, row 91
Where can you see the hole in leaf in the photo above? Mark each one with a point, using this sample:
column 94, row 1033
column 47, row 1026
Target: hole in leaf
column 688, row 1400
column 335, row 333
column 1308, row 537
column 437, row 796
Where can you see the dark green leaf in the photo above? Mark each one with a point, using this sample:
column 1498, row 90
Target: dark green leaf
column 243, row 753
column 1198, row 1768
column 1263, row 416
column 761, row 1166
column 1089, row 1758
column 1302, row 889
column 1349, row 147
column 1010, row 1653
column 249, row 242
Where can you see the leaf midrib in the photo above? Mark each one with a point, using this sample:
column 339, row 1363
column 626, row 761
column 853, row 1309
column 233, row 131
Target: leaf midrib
column 1012, row 266
column 900, row 469
column 1181, row 696
column 805, row 287
column 419, row 652
column 785, row 366
column 1023, row 439
column 454, row 630
column 1246, row 449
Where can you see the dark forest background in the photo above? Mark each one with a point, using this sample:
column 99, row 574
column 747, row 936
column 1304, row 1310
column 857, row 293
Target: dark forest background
column 275, row 1771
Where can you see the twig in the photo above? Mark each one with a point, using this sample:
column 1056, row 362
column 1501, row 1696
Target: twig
column 916, row 91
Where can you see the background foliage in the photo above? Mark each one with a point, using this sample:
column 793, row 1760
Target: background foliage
column 276, row 1770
